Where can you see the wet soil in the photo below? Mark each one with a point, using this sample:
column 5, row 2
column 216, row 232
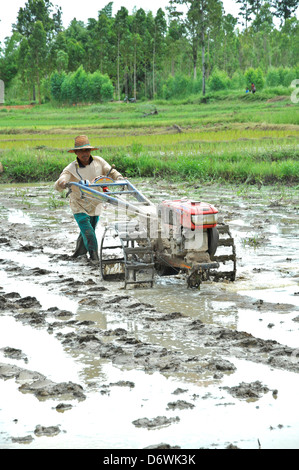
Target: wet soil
column 87, row 364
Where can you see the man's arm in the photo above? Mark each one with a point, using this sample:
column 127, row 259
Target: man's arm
column 61, row 183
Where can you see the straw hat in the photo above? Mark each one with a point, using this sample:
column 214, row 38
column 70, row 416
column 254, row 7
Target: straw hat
column 82, row 143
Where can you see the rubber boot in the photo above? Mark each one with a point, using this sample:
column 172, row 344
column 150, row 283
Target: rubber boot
column 80, row 248
column 94, row 258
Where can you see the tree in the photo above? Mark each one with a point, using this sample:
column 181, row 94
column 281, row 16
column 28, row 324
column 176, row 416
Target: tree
column 9, row 58
column 38, row 10
column 175, row 36
column 37, row 24
column 120, row 27
column 138, row 26
column 285, row 8
column 103, row 38
column 62, row 61
column 37, row 54
column 201, row 16
column 58, row 45
column 158, row 41
column 229, row 43
column 107, row 10
column 245, row 12
column 76, row 54
column 264, row 19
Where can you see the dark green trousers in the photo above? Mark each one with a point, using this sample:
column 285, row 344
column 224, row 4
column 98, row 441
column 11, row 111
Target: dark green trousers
column 87, row 225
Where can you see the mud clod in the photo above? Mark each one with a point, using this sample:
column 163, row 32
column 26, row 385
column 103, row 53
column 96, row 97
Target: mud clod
column 162, row 446
column 22, row 440
column 43, row 389
column 180, row 405
column 14, row 353
column 49, row 431
column 253, row 390
column 159, row 421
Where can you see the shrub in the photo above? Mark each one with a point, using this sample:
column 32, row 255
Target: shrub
column 56, row 82
column 238, row 81
column 280, row 76
column 107, row 89
column 272, row 77
column 255, row 76
column 80, row 87
column 178, row 86
column 289, row 77
column 218, row 81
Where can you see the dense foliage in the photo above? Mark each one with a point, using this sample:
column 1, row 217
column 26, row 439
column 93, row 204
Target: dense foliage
column 146, row 56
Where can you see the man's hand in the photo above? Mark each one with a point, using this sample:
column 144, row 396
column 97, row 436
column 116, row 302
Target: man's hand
column 62, row 184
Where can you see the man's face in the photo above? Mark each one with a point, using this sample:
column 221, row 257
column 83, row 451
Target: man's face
column 83, row 156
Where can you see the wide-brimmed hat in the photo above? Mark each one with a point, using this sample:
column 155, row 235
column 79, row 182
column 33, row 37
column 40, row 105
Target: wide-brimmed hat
column 82, row 143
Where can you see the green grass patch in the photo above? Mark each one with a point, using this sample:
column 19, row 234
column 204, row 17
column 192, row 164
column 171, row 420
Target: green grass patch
column 230, row 138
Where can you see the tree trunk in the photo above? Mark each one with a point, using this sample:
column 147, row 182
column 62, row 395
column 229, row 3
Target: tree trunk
column 126, row 82
column 135, row 59
column 38, row 89
column 194, row 57
column 203, row 63
column 118, row 87
column 154, row 56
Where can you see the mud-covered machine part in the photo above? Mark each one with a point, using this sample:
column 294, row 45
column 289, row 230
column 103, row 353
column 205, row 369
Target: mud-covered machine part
column 227, row 259
column 223, row 261
column 126, row 256
column 134, row 257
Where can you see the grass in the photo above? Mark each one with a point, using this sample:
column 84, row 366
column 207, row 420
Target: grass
column 229, row 138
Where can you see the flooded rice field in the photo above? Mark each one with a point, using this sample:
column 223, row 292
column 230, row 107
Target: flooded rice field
column 86, row 364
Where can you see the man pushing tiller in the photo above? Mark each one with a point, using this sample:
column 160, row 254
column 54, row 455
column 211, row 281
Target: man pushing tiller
column 86, row 212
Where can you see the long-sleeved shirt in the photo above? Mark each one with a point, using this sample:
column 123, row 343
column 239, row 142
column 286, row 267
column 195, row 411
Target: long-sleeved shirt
column 74, row 173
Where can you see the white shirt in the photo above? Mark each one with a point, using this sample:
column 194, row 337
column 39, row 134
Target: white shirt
column 74, row 173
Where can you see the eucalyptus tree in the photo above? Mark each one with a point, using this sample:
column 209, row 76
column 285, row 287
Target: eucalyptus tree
column 202, row 15
column 32, row 58
column 138, row 27
column 158, row 43
column 245, row 12
column 120, row 29
column 39, row 10
column 284, row 9
column 104, row 43
column 175, row 38
column 24, row 68
column 223, row 47
column 37, row 54
column 76, row 42
column 37, row 23
column 285, row 45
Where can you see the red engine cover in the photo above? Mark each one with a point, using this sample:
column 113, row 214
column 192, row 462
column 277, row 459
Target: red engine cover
column 185, row 208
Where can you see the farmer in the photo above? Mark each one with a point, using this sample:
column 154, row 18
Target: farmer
column 253, row 89
column 86, row 211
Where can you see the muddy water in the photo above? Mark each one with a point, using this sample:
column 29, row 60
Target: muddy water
column 87, row 364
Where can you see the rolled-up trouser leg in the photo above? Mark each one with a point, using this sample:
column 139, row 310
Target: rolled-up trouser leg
column 87, row 225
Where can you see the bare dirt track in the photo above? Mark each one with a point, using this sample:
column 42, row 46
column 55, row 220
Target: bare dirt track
column 87, row 364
